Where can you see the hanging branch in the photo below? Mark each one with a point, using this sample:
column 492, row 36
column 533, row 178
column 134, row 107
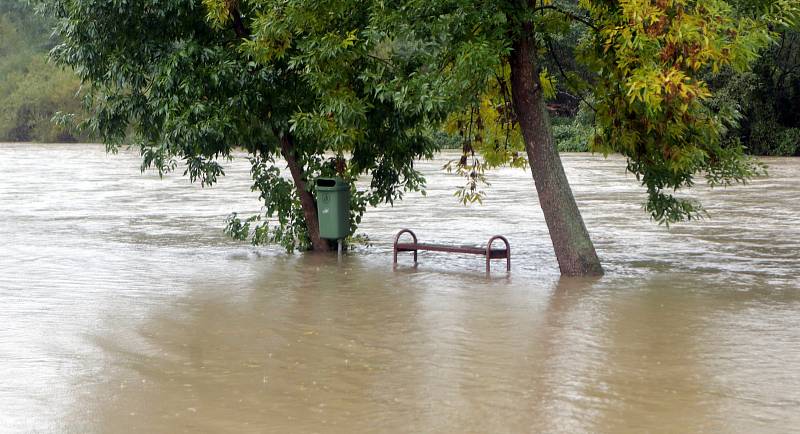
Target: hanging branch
column 564, row 74
column 508, row 121
column 242, row 32
column 569, row 14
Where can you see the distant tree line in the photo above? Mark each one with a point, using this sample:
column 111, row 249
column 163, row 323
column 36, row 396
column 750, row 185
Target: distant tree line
column 32, row 89
column 767, row 99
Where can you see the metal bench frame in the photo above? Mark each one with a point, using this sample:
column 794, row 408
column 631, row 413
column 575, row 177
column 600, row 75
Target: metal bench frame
column 488, row 252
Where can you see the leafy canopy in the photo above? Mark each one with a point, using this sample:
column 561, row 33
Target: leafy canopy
column 190, row 81
column 644, row 65
column 193, row 80
column 650, row 58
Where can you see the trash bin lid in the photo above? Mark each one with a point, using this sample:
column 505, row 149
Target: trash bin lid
column 332, row 184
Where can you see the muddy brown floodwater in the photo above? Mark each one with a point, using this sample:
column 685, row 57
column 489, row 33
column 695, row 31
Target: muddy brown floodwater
column 123, row 308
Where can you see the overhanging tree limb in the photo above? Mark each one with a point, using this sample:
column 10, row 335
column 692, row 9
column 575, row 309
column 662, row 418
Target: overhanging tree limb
column 569, row 14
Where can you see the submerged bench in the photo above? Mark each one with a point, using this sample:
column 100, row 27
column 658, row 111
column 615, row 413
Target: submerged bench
column 487, row 251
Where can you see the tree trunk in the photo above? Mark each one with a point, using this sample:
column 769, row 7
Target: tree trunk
column 307, row 201
column 574, row 249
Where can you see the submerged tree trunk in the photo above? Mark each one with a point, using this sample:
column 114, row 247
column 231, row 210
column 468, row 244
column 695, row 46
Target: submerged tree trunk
column 574, row 249
column 307, row 201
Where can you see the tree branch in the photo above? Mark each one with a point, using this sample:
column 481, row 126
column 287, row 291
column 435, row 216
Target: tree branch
column 569, row 14
column 564, row 74
column 238, row 24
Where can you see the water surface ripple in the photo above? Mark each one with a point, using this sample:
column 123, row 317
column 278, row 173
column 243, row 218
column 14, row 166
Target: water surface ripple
column 123, row 308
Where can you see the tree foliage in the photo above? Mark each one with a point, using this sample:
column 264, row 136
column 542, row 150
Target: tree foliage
column 643, row 73
column 653, row 58
column 353, row 88
column 190, row 81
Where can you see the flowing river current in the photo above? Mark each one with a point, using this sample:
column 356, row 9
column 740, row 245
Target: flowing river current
column 124, row 308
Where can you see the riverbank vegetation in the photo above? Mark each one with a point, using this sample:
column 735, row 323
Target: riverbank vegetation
column 32, row 89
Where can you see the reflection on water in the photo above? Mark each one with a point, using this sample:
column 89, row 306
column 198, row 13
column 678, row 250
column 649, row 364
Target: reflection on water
column 124, row 309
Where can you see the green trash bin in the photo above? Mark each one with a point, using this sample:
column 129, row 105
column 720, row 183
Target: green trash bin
column 333, row 208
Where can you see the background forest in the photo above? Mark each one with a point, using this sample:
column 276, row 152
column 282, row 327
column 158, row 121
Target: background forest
column 33, row 91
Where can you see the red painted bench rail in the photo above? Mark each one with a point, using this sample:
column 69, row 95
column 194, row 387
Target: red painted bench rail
column 487, row 251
